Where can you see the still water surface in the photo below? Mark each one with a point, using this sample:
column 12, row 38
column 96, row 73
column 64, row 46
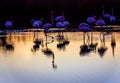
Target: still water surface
column 24, row 64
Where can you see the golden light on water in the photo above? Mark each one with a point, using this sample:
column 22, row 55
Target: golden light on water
column 23, row 63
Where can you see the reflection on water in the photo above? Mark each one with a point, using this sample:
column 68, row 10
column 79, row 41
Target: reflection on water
column 73, row 57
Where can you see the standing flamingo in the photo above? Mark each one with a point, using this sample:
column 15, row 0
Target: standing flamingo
column 112, row 18
column 100, row 23
column 85, row 28
column 37, row 24
column 91, row 20
column 9, row 24
column 113, row 42
column 61, row 24
column 105, row 15
column 103, row 48
column 60, row 18
column 47, row 26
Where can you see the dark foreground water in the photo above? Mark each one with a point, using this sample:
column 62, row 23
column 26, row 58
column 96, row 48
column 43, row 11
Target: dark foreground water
column 23, row 62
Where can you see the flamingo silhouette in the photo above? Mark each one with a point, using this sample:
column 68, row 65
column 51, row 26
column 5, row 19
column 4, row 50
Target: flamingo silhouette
column 60, row 18
column 48, row 52
column 61, row 24
column 9, row 24
column 91, row 20
column 37, row 23
column 47, row 26
column 112, row 17
column 62, row 43
column 85, row 28
column 103, row 48
column 105, row 15
column 113, row 43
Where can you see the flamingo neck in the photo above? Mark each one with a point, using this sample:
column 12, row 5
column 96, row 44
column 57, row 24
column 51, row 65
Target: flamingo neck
column 103, row 10
column 62, row 16
column 52, row 21
column 112, row 11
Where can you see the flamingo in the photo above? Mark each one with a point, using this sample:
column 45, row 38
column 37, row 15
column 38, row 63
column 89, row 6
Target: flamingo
column 102, row 49
column 60, row 18
column 36, row 24
column 105, row 15
column 113, row 42
column 8, row 24
column 84, row 27
column 61, row 22
column 46, row 26
column 91, row 20
column 100, row 23
column 112, row 18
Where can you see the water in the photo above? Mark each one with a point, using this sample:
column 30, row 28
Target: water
column 23, row 64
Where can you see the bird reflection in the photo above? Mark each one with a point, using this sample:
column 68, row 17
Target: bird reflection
column 37, row 43
column 48, row 52
column 113, row 43
column 103, row 48
column 7, row 45
column 84, row 49
column 62, row 42
column 88, row 45
column 92, row 45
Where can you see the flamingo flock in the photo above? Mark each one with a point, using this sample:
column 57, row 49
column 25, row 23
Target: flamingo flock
column 60, row 23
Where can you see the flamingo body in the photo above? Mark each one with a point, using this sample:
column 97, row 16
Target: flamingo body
column 112, row 19
column 40, row 22
column 66, row 23
column 47, row 26
column 8, row 24
column 100, row 23
column 107, row 16
column 90, row 20
column 83, row 24
column 59, row 18
column 85, row 29
column 35, row 24
column 60, row 25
